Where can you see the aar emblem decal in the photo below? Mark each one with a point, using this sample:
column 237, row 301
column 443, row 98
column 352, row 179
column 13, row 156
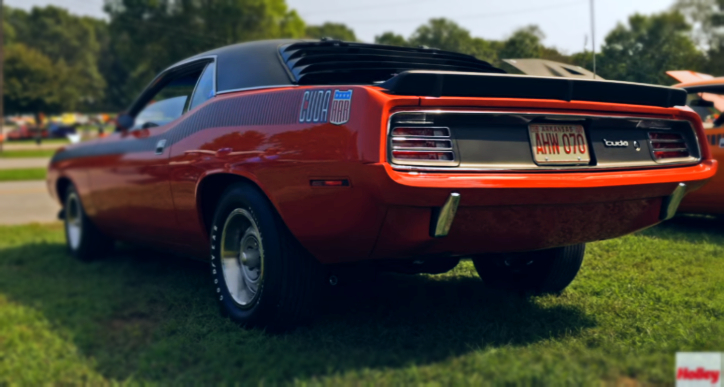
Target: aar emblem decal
column 341, row 107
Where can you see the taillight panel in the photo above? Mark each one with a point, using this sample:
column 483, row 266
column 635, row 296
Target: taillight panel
column 438, row 140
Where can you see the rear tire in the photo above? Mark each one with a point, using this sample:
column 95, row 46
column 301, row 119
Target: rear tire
column 262, row 276
column 84, row 240
column 541, row 272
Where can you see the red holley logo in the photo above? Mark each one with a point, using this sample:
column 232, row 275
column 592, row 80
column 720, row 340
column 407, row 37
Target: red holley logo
column 686, row 373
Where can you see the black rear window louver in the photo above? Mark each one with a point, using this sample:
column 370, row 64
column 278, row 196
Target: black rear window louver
column 336, row 62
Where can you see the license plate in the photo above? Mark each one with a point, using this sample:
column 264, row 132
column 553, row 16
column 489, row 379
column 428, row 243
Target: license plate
column 559, row 144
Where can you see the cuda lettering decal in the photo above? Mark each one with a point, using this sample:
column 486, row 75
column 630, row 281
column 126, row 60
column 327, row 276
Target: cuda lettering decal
column 315, row 106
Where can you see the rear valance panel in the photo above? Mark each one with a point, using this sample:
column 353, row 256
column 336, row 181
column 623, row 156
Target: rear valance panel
column 456, row 84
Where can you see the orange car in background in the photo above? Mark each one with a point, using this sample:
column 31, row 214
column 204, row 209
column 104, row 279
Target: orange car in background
column 706, row 98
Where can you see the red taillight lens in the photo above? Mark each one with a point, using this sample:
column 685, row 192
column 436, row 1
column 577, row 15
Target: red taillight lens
column 665, row 136
column 422, row 146
column 421, row 132
column 668, row 146
column 398, row 143
column 670, row 155
column 439, row 156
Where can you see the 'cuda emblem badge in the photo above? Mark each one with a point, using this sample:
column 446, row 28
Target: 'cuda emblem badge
column 315, row 106
column 615, row 144
column 341, row 107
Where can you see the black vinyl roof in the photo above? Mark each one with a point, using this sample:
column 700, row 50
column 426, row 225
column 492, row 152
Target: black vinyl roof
column 286, row 62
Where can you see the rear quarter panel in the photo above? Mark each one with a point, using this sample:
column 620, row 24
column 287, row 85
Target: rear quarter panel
column 262, row 139
column 710, row 198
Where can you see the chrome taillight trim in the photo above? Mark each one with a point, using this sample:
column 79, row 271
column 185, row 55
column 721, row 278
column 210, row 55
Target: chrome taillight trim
column 418, row 168
column 670, row 149
column 394, row 146
column 445, row 128
column 670, row 160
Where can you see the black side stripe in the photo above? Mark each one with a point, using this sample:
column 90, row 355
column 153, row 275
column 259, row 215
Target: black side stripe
column 270, row 108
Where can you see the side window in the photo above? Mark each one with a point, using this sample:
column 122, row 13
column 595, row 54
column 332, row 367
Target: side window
column 205, row 88
column 169, row 103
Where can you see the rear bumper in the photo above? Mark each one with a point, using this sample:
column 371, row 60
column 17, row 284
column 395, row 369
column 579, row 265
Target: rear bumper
column 496, row 212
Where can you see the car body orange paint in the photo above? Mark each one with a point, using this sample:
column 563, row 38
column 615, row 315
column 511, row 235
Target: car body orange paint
column 384, row 213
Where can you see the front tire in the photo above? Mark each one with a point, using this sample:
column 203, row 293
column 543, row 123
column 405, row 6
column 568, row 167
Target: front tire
column 262, row 277
column 84, row 240
column 541, row 272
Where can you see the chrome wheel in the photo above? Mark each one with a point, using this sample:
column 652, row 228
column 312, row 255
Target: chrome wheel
column 73, row 220
column 242, row 257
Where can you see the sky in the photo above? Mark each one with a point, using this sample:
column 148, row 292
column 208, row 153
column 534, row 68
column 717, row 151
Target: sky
column 566, row 23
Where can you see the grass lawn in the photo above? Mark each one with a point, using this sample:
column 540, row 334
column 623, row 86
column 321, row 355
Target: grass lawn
column 5, row 154
column 142, row 317
column 23, row 174
column 44, row 141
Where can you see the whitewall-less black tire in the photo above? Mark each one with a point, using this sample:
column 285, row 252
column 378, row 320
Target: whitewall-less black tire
column 542, row 272
column 261, row 276
column 83, row 238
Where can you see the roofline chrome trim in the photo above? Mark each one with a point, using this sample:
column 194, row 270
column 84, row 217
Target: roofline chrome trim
column 196, row 87
column 190, row 60
column 411, row 168
column 213, row 59
column 254, row 88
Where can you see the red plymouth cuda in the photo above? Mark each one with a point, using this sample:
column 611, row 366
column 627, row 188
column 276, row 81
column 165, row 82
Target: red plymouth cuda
column 280, row 162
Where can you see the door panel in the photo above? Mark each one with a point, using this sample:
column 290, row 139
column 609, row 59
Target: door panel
column 132, row 195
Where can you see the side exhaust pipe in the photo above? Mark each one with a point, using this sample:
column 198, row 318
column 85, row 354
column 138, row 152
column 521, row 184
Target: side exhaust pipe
column 671, row 202
column 442, row 218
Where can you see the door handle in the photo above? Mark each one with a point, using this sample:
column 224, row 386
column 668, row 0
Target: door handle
column 160, row 145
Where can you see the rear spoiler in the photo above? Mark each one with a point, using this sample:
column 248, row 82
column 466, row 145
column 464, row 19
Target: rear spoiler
column 460, row 84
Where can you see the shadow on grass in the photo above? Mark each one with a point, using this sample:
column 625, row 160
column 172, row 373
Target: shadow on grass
column 152, row 318
column 690, row 228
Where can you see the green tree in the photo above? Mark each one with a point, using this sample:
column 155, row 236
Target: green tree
column 447, row 35
column 69, row 42
column 391, row 39
column 31, row 82
column 525, row 42
column 331, row 30
column 145, row 36
column 443, row 34
column 8, row 29
column 487, row 50
column 706, row 18
column 647, row 47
